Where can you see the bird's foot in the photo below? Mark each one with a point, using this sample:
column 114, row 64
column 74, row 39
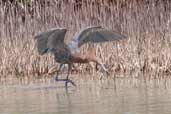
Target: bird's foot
column 106, row 73
column 66, row 81
column 69, row 81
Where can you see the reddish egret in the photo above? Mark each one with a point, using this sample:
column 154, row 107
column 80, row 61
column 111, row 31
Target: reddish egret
column 53, row 41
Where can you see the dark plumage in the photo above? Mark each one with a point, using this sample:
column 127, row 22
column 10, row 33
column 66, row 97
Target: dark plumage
column 53, row 41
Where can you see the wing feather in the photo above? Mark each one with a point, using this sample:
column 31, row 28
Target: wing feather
column 95, row 34
column 48, row 40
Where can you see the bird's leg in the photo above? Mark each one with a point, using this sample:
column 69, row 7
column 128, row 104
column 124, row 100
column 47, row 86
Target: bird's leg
column 98, row 61
column 67, row 78
column 91, row 57
column 57, row 74
column 104, row 69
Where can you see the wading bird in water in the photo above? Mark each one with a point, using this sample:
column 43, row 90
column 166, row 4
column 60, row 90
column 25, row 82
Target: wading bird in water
column 53, row 41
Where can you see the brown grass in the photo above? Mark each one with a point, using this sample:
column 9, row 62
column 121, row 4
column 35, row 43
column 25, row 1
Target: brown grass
column 146, row 23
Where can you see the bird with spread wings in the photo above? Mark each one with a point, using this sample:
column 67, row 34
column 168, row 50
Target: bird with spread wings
column 53, row 41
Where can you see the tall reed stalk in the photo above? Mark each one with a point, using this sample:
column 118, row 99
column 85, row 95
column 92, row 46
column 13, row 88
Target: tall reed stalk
column 147, row 23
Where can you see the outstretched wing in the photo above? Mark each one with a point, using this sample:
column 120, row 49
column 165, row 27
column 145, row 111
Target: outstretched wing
column 94, row 34
column 49, row 40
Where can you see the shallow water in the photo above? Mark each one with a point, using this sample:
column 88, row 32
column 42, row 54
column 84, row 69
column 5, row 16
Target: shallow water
column 120, row 96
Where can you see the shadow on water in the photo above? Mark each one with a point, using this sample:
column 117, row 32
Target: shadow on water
column 120, row 96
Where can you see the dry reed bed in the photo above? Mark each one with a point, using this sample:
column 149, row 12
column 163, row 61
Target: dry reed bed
column 146, row 23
